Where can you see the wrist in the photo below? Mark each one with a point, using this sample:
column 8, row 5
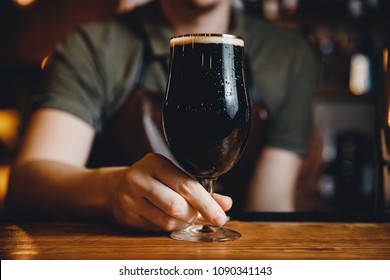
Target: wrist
column 108, row 179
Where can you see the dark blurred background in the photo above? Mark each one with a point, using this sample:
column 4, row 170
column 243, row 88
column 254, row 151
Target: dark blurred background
column 344, row 168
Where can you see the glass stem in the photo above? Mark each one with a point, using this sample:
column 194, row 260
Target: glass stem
column 208, row 183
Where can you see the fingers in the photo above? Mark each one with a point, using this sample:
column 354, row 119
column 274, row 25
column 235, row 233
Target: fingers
column 143, row 185
column 131, row 219
column 126, row 216
column 170, row 202
column 224, row 201
column 155, row 194
column 192, row 191
column 150, row 217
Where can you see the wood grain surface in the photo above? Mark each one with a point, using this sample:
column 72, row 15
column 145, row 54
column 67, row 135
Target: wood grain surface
column 260, row 240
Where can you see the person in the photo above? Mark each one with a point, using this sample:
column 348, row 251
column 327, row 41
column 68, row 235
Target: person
column 91, row 72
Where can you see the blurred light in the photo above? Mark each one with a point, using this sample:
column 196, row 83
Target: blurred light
column 385, row 59
column 356, row 8
column 388, row 117
column 44, row 62
column 271, row 9
column 386, row 69
column 290, row 7
column 9, row 128
column 238, row 4
column 359, row 77
column 24, row 3
column 4, row 175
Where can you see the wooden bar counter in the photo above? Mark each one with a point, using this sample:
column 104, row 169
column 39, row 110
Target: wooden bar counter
column 260, row 240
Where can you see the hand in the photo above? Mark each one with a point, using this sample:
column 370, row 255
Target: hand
column 155, row 194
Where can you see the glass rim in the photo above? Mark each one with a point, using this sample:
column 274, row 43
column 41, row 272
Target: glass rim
column 222, row 35
column 206, row 38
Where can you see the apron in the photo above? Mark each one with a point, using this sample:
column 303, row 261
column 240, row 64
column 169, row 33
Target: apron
column 135, row 129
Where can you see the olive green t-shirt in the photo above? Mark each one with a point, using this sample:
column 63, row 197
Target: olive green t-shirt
column 94, row 68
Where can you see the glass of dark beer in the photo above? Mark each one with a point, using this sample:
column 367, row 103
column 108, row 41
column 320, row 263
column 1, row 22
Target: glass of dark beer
column 206, row 114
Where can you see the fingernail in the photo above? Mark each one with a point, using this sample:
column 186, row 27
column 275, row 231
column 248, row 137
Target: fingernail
column 200, row 217
column 219, row 219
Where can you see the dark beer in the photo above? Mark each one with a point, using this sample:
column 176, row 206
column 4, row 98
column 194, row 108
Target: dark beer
column 206, row 111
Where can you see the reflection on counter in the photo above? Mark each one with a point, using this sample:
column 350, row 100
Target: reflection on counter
column 4, row 174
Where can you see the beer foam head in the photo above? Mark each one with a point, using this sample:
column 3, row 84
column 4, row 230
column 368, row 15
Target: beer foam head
column 204, row 38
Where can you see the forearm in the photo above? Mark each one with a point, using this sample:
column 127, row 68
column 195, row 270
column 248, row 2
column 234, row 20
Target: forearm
column 272, row 188
column 49, row 188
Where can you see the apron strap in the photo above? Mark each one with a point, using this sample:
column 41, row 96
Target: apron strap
column 133, row 22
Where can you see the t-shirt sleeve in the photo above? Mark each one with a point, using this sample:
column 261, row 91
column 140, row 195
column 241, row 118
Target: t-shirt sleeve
column 74, row 81
column 292, row 123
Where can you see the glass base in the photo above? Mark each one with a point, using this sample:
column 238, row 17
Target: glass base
column 205, row 233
